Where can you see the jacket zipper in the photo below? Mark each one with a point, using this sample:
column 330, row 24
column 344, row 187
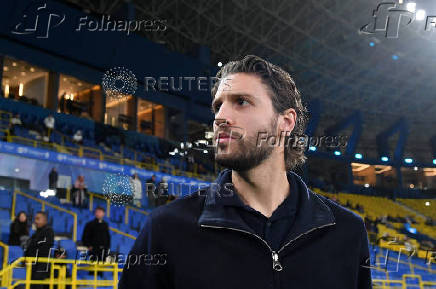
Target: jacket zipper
column 274, row 254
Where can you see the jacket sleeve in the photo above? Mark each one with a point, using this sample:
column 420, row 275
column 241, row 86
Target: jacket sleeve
column 85, row 235
column 108, row 236
column 364, row 271
column 146, row 265
column 45, row 244
column 13, row 233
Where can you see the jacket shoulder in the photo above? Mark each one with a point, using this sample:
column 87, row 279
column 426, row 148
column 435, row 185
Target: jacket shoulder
column 341, row 213
column 180, row 208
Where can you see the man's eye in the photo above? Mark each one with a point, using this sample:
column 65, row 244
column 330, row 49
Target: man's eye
column 242, row 101
column 216, row 107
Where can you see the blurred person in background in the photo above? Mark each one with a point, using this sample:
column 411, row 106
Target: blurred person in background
column 150, row 188
column 13, row 123
column 16, row 120
column 96, row 236
column 49, row 123
column 62, row 103
column 19, row 230
column 137, row 190
column 78, row 137
column 39, row 245
column 79, row 190
column 162, row 192
column 53, row 179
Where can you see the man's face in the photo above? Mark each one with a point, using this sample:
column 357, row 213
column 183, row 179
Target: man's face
column 40, row 220
column 243, row 109
column 99, row 214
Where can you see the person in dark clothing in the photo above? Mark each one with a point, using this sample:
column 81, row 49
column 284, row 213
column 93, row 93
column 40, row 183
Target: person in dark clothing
column 39, row 245
column 62, row 103
column 78, row 192
column 53, row 179
column 257, row 226
column 161, row 197
column 150, row 188
column 96, row 236
column 15, row 121
column 69, row 105
column 19, row 230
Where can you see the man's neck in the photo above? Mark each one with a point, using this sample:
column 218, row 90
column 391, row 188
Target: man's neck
column 264, row 187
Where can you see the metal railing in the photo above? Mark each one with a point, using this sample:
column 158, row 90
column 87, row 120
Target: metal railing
column 94, row 153
column 5, row 254
column 99, row 196
column 381, row 283
column 92, row 196
column 43, row 206
column 115, row 230
column 126, row 213
column 61, row 281
column 90, row 152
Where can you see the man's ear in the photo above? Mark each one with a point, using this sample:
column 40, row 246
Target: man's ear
column 289, row 117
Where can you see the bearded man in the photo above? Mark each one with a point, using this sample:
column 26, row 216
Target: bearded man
column 258, row 225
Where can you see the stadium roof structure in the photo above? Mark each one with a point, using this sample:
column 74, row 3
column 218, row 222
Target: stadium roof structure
column 333, row 48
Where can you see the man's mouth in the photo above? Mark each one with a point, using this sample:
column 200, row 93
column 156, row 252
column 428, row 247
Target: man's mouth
column 223, row 137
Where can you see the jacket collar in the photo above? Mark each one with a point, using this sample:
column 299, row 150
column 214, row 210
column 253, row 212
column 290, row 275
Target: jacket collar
column 312, row 213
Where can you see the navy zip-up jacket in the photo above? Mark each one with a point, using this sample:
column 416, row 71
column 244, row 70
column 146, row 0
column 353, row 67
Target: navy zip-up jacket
column 194, row 243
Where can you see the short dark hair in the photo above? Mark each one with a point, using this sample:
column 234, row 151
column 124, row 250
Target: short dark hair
column 42, row 213
column 100, row 208
column 284, row 95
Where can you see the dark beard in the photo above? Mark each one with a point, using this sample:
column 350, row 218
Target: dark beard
column 250, row 155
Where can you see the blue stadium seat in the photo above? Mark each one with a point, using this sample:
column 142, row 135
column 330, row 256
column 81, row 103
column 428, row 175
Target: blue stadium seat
column 70, row 248
column 15, row 252
column 5, row 199
column 4, row 215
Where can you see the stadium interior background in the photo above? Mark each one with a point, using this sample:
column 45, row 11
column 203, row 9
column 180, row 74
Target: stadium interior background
column 85, row 65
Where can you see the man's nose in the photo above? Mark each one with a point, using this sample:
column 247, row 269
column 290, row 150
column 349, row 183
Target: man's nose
column 220, row 122
column 224, row 116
